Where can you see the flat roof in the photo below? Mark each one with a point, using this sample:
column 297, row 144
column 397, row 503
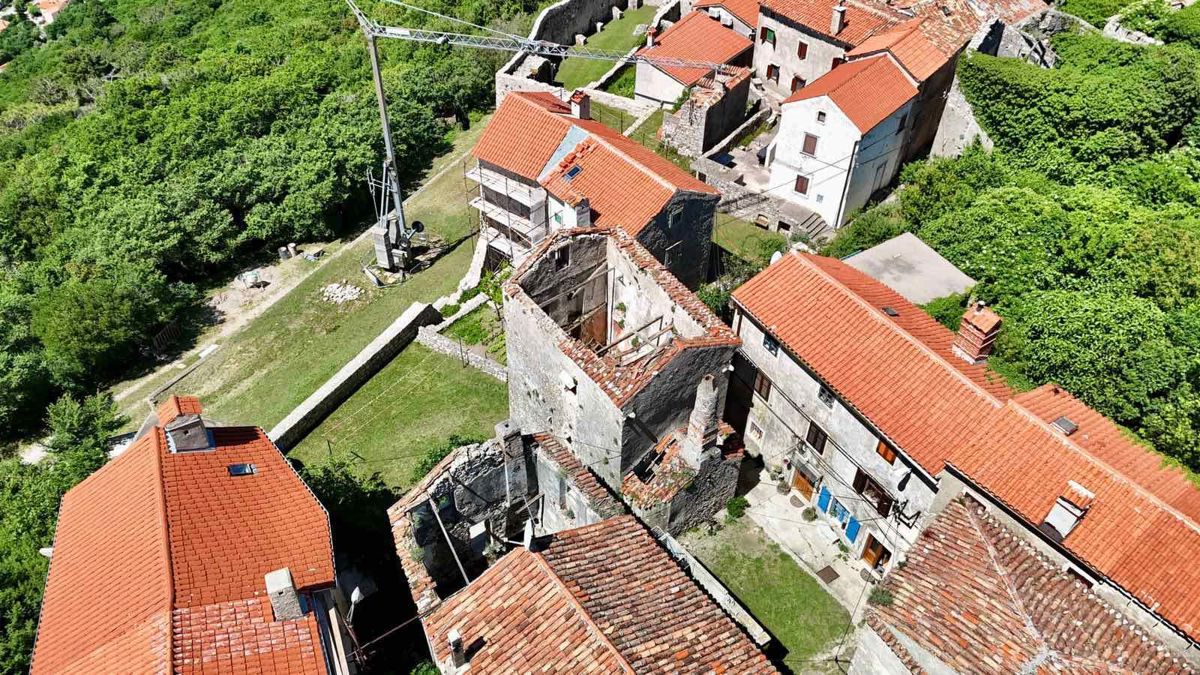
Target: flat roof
column 910, row 267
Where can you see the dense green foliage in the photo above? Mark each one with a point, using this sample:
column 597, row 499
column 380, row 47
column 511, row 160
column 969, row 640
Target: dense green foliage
column 1095, row 12
column 1082, row 228
column 148, row 146
column 29, row 499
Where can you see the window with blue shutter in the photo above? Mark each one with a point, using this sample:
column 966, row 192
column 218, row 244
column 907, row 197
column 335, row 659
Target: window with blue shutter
column 852, row 529
column 823, row 499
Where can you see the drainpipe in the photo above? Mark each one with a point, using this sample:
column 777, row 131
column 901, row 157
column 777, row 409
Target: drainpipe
column 846, row 186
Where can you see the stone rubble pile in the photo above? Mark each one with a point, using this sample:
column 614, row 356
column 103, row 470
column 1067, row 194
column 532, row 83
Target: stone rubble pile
column 341, row 293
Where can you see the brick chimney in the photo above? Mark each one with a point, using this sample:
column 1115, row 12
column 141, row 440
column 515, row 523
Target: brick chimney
column 702, row 426
column 581, row 105
column 651, row 34
column 977, row 333
column 838, row 21
column 285, row 601
column 187, row 433
column 458, row 653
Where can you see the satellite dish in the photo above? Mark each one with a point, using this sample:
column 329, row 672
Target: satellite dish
column 356, row 596
column 418, row 226
column 775, row 257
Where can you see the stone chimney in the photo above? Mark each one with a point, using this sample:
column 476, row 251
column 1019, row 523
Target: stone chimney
column 581, row 105
column 702, row 426
column 838, row 22
column 187, row 433
column 285, row 601
column 583, row 213
column 651, row 34
column 977, row 333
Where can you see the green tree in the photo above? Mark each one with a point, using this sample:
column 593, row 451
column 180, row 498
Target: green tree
column 83, row 425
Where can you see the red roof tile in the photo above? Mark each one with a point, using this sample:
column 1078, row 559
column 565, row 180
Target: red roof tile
column 1128, row 534
column 605, row 503
column 745, row 10
column 626, row 184
column 174, row 406
column 915, row 51
column 696, row 37
column 155, row 540
column 601, row 598
column 980, row 600
column 1115, row 447
column 867, row 90
column 899, row 372
column 863, row 19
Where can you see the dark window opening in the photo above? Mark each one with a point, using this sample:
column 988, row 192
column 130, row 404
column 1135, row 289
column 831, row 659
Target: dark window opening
column 762, row 386
column 816, row 438
column 810, row 145
column 872, row 493
column 802, row 184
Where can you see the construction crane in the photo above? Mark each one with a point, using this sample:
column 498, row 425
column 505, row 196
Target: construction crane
column 393, row 234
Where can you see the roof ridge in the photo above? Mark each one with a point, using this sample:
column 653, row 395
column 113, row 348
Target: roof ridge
column 578, row 607
column 875, row 316
column 165, row 529
column 1102, row 465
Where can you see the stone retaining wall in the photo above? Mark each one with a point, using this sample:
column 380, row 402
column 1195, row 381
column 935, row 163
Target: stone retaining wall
column 715, row 589
column 288, row 433
column 429, row 337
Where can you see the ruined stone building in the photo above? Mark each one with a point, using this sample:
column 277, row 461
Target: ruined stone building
column 197, row 550
column 739, row 15
column 544, row 165
column 610, row 353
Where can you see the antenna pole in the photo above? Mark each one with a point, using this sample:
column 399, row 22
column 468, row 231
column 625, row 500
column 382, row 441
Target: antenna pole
column 399, row 233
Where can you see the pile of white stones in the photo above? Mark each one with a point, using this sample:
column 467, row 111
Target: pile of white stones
column 341, row 293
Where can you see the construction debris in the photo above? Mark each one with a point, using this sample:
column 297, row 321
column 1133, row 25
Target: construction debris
column 342, row 293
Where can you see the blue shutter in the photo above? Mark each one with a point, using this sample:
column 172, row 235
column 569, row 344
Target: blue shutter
column 823, row 499
column 852, row 529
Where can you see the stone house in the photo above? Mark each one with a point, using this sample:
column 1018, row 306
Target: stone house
column 829, row 391
column 197, row 549
column 610, row 353
column 544, row 165
column 695, row 37
column 878, row 417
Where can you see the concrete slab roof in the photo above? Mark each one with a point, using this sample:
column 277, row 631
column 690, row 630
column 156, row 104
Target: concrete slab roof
column 911, row 268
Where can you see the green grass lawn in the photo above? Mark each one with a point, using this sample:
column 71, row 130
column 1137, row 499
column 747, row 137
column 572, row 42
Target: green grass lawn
column 263, row 371
column 480, row 328
column 415, row 403
column 613, row 118
column 623, row 83
column 784, row 598
column 617, row 36
column 746, row 240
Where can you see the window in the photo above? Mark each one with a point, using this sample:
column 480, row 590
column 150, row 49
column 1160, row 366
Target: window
column 837, row 61
column 562, row 257
column 802, row 185
column 816, row 438
column 802, row 51
column 562, row 493
column 872, row 493
column 558, row 217
column 762, row 386
column 242, row 469
column 767, row 35
column 674, row 216
column 887, row 452
column 773, row 73
column 825, row 396
column 903, row 123
column 755, row 431
column 798, row 84
column 821, row 117
column 770, row 344
column 810, row 145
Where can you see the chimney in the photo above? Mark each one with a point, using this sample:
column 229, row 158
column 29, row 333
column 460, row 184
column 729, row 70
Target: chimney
column 702, row 426
column 651, row 33
column 187, row 433
column 458, row 654
column 509, row 435
column 284, row 598
column 839, row 18
column 583, row 213
column 977, row 333
column 581, row 105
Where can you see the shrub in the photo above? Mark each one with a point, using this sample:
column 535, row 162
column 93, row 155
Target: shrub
column 736, row 507
column 450, row 310
column 881, row 597
column 809, row 514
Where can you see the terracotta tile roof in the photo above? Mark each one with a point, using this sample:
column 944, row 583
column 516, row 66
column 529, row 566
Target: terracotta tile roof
column 174, row 406
column 1115, row 447
column 1128, row 534
column 1011, row 12
column 626, row 184
column 623, row 382
column 108, row 595
column 898, row 372
column 601, row 499
column 915, row 51
column 241, row 636
column 697, row 37
column 980, row 600
column 745, row 10
column 601, row 598
column 867, row 90
column 863, row 19
column 154, row 533
column 672, row 472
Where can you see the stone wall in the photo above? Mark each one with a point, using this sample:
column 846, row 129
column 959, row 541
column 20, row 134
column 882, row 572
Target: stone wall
column 715, row 589
column 751, row 205
column 288, row 433
column 706, row 118
column 958, row 128
column 435, row 341
column 713, row 487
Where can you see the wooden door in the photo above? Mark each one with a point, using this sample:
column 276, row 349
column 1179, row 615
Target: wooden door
column 874, row 553
column 801, row 483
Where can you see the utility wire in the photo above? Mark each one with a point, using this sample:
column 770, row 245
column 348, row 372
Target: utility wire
column 400, row 3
